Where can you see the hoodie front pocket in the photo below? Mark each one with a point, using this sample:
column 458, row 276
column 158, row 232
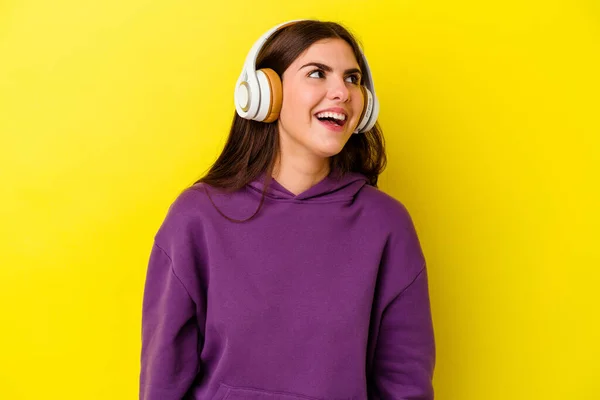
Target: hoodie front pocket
column 227, row 392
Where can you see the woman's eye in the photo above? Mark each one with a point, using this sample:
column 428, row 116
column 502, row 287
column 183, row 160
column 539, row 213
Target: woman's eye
column 354, row 79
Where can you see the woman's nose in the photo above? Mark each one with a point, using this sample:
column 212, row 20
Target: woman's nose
column 338, row 90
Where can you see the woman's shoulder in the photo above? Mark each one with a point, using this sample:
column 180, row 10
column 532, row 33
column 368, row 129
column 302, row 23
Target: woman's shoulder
column 190, row 202
column 186, row 215
column 390, row 217
column 386, row 209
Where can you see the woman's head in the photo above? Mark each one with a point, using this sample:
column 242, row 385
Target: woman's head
column 321, row 70
column 322, row 100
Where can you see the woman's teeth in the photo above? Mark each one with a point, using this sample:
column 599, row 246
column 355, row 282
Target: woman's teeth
column 337, row 116
column 332, row 117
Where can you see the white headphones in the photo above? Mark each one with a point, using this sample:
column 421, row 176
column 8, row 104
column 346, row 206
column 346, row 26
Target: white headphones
column 258, row 94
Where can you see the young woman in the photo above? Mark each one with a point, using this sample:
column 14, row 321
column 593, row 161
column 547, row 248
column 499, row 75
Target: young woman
column 284, row 273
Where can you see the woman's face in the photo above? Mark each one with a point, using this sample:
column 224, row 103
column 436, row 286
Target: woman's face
column 322, row 100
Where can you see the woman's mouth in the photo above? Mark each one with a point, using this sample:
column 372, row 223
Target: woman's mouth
column 332, row 120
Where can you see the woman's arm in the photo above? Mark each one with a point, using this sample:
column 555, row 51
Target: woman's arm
column 170, row 332
column 405, row 352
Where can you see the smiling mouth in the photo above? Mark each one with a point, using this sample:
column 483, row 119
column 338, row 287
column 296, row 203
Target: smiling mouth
column 332, row 119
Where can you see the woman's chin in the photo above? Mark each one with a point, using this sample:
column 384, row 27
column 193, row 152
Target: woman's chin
column 329, row 148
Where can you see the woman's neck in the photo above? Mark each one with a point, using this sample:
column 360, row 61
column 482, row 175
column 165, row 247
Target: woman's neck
column 301, row 176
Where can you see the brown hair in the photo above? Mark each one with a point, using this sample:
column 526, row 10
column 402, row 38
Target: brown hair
column 252, row 146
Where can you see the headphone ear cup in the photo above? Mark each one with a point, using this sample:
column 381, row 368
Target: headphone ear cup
column 367, row 110
column 270, row 95
column 276, row 95
column 373, row 113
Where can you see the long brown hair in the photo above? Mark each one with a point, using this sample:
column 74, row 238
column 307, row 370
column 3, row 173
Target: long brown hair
column 252, row 147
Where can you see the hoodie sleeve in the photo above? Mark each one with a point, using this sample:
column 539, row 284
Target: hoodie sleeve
column 404, row 351
column 170, row 332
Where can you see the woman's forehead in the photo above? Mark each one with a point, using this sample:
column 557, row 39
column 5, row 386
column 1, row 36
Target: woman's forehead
column 335, row 52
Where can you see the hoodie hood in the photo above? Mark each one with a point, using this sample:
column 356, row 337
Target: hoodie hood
column 335, row 187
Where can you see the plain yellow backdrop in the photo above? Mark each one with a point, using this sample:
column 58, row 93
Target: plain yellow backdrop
column 491, row 113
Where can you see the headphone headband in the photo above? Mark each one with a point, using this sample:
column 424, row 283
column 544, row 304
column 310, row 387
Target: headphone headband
column 250, row 62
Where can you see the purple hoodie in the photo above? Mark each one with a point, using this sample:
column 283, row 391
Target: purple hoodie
column 322, row 296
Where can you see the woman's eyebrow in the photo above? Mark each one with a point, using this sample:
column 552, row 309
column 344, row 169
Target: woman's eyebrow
column 327, row 68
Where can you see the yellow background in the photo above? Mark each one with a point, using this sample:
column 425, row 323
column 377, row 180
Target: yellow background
column 491, row 112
